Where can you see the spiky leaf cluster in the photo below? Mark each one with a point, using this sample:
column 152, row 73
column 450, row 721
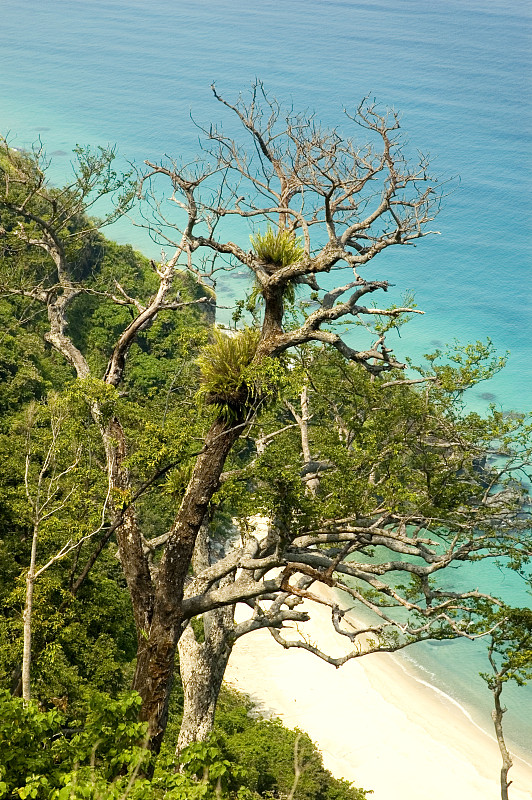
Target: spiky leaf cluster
column 280, row 248
column 223, row 365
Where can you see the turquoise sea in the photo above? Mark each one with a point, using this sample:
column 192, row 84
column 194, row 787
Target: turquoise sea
column 131, row 72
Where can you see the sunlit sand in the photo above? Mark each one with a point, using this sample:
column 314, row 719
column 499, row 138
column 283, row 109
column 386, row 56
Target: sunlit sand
column 374, row 724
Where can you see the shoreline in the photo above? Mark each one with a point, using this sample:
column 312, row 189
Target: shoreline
column 375, row 723
column 410, row 668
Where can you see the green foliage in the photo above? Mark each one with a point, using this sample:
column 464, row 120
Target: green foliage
column 89, row 639
column 26, row 734
column 177, row 481
column 206, row 773
column 462, row 366
column 280, row 248
column 101, row 755
column 29, row 369
column 27, row 199
column 40, row 757
column 87, row 642
column 510, row 647
column 92, row 390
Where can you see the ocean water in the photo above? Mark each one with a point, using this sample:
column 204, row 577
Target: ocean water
column 132, row 73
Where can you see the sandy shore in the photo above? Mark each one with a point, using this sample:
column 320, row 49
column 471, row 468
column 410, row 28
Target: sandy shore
column 375, row 724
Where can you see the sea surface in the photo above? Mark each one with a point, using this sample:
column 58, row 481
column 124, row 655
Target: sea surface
column 136, row 74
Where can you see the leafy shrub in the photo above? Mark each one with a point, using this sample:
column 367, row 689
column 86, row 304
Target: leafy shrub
column 103, row 757
column 42, row 758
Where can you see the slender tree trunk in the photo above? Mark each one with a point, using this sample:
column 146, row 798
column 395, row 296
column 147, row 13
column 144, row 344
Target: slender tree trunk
column 507, row 762
column 128, row 535
column 28, row 610
column 313, row 482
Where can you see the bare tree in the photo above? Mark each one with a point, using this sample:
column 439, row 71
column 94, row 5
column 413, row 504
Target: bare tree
column 46, row 500
column 334, row 206
column 364, row 199
column 49, row 485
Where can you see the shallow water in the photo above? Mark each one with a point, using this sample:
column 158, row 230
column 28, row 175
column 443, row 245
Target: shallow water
column 131, row 73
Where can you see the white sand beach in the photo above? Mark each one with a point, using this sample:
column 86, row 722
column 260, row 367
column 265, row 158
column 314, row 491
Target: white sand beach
column 375, row 724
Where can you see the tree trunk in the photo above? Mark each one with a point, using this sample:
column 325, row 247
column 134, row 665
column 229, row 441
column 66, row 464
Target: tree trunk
column 202, row 666
column 154, row 674
column 28, row 610
column 158, row 641
column 507, row 762
column 128, row 535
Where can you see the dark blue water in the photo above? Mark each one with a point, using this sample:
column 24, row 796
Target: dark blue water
column 131, row 72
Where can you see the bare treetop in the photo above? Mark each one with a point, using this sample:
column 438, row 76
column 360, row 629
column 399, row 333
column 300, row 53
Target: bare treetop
column 337, row 202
